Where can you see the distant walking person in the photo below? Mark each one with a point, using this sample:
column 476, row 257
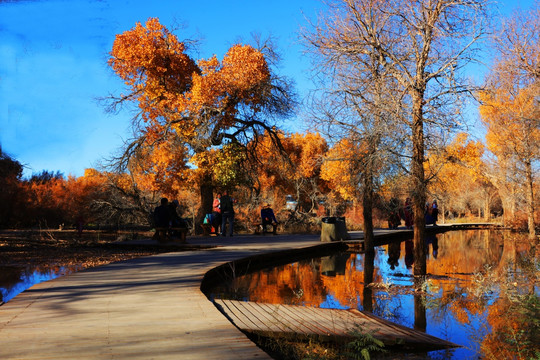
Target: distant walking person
column 227, row 213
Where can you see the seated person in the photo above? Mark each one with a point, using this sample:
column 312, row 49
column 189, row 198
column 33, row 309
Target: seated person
column 162, row 218
column 268, row 218
column 175, row 219
column 176, row 222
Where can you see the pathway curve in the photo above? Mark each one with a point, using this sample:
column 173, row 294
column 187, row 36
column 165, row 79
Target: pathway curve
column 145, row 308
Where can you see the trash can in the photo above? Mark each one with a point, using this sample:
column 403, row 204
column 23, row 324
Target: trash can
column 334, row 229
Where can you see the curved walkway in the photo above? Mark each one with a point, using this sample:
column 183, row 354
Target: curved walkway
column 145, row 308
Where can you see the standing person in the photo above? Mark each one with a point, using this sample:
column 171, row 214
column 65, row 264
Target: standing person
column 408, row 213
column 434, row 212
column 394, row 219
column 427, row 214
column 227, row 213
column 216, row 212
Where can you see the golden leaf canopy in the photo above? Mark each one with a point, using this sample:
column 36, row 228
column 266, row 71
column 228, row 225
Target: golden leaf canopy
column 174, row 92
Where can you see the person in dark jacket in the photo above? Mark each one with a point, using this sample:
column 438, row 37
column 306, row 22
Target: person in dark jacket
column 162, row 220
column 268, row 218
column 162, row 216
column 227, row 214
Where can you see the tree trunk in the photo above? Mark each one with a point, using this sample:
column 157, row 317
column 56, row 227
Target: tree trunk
column 207, row 198
column 420, row 318
column 487, row 208
column 367, row 204
column 369, row 268
column 419, row 190
column 530, row 200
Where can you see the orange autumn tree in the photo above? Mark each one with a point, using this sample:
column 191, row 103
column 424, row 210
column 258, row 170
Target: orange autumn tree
column 46, row 192
column 305, row 153
column 460, row 182
column 162, row 168
column 342, row 168
column 203, row 104
column 510, row 116
column 294, row 169
column 309, row 151
column 80, row 195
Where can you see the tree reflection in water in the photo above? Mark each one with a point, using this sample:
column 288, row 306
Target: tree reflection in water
column 481, row 290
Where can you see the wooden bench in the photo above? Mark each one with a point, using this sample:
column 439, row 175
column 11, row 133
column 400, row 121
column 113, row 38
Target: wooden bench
column 259, row 228
column 163, row 235
column 207, row 229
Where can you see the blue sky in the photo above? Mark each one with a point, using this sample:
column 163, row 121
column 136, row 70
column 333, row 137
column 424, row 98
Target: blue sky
column 53, row 67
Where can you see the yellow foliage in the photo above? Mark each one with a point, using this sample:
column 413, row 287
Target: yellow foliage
column 509, row 117
column 459, row 167
column 341, row 168
column 296, row 170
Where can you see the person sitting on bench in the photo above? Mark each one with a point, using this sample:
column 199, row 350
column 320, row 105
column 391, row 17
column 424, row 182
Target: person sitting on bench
column 178, row 226
column 162, row 218
column 268, row 218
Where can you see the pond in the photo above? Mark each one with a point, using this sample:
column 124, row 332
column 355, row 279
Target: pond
column 481, row 292
column 14, row 280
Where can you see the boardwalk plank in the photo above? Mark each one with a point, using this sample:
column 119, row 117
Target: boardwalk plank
column 273, row 322
column 324, row 325
column 306, row 321
column 393, row 328
column 330, row 319
column 305, row 325
column 295, row 324
column 239, row 316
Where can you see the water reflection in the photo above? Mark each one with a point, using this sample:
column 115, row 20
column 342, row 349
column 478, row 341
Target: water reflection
column 14, row 280
column 369, row 269
column 474, row 278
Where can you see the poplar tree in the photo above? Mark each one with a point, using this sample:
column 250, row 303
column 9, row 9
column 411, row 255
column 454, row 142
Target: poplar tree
column 410, row 52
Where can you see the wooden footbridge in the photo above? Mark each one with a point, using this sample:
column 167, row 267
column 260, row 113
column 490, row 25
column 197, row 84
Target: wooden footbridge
column 268, row 319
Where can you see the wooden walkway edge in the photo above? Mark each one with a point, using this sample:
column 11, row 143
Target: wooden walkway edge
column 263, row 318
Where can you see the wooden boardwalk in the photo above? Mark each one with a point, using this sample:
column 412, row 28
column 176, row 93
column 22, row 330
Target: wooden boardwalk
column 263, row 318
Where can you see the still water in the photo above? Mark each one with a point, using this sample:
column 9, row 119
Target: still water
column 14, row 280
column 481, row 292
